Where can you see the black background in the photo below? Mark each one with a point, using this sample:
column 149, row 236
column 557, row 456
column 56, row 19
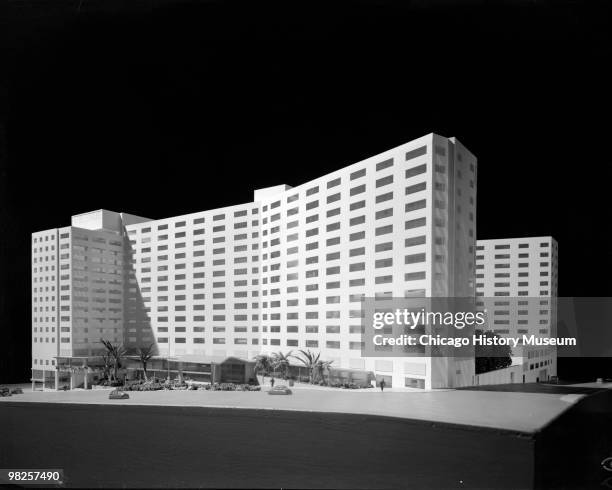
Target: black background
column 165, row 108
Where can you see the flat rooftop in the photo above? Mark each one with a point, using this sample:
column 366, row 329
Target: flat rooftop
column 521, row 412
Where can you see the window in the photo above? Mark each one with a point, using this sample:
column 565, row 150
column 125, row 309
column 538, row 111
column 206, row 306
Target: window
column 333, row 198
column 383, row 279
column 357, row 236
column 384, row 165
column 413, row 241
column 414, row 258
column 384, row 213
column 384, row 197
column 333, row 183
column 358, row 220
column 416, row 153
column 358, row 173
column 383, row 247
column 413, row 206
column 355, row 252
column 358, row 190
column 421, row 186
column 414, row 276
column 384, row 230
column 413, row 172
column 415, row 223
column 384, row 181
column 381, row 263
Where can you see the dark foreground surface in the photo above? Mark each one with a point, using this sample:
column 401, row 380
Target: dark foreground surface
column 559, row 389
column 146, row 446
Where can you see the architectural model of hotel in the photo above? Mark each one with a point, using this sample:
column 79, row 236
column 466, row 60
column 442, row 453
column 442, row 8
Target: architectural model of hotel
column 287, row 271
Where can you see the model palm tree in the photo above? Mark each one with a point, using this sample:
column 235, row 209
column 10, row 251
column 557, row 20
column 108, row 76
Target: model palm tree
column 310, row 360
column 320, row 368
column 263, row 364
column 280, row 362
column 115, row 353
column 107, row 365
column 145, row 354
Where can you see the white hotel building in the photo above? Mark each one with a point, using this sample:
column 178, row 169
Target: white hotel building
column 517, row 280
column 285, row 272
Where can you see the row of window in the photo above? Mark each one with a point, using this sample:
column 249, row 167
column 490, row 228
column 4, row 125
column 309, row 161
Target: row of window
column 357, row 174
column 508, row 274
column 508, row 256
column 381, row 198
column 329, row 344
column 43, row 279
column 519, row 293
column 410, row 276
column 520, row 265
column 116, row 242
column 507, row 284
column 46, row 362
column 541, row 302
column 332, row 270
column 409, row 242
column 194, row 221
column 507, row 246
column 40, row 239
